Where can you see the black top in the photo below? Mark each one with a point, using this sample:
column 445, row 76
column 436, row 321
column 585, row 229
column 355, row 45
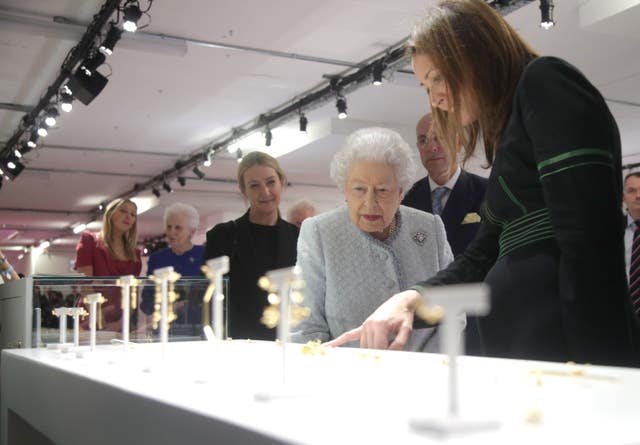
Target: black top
column 252, row 249
column 552, row 214
column 465, row 199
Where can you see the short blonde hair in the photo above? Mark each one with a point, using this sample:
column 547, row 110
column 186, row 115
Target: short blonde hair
column 379, row 145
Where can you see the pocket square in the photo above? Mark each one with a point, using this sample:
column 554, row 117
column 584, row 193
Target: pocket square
column 471, row 218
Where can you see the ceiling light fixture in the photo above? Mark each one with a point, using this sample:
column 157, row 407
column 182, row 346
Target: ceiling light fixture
column 25, row 148
column 113, row 35
column 132, row 14
column 44, row 244
column 90, row 65
column 196, row 171
column 42, row 130
column 166, row 187
column 66, row 102
column 546, row 14
column 303, row 122
column 156, row 192
column 33, row 140
column 79, row 228
column 239, row 155
column 86, row 87
column 341, row 105
column 182, row 181
column 207, row 159
column 51, row 114
column 17, row 153
column 378, row 69
column 268, row 137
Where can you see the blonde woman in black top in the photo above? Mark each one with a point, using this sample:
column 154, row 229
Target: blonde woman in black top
column 257, row 242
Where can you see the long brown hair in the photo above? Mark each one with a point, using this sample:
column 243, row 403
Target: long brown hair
column 481, row 58
column 129, row 238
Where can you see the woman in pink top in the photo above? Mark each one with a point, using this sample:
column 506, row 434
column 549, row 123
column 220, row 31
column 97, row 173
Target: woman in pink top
column 111, row 253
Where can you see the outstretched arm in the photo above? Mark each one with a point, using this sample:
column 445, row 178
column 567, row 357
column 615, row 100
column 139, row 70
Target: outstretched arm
column 389, row 327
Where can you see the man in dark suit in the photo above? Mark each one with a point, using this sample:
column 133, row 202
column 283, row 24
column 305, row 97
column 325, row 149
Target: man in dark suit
column 455, row 195
column 448, row 191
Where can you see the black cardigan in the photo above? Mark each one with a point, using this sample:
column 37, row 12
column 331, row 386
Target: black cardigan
column 245, row 300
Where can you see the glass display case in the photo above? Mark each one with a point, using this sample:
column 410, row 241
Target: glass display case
column 29, row 303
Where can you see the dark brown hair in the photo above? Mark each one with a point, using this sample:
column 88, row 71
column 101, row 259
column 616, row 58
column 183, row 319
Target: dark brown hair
column 481, row 58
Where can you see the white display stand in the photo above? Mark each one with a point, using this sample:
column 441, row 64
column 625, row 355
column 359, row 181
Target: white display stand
column 355, row 396
column 451, row 302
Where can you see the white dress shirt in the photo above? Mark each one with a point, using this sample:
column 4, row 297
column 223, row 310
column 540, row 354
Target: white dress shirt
column 450, row 184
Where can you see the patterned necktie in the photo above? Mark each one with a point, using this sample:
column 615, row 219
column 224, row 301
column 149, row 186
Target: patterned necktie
column 634, row 271
column 436, row 202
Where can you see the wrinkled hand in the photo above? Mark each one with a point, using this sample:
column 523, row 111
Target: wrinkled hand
column 393, row 318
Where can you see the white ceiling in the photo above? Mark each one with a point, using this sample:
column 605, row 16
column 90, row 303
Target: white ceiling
column 167, row 99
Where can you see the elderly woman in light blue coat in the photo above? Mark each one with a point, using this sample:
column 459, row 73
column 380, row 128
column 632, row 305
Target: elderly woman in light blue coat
column 355, row 256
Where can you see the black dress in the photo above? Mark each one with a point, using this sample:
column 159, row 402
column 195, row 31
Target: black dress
column 252, row 250
column 551, row 243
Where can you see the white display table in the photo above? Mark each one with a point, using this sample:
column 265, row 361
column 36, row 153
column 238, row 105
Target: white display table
column 195, row 394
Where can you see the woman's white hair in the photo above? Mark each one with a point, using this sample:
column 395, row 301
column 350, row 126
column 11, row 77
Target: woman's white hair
column 375, row 144
column 189, row 211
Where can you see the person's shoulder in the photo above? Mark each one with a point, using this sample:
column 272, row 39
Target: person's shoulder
column 418, row 186
column 333, row 216
column 88, row 239
column 473, row 178
column 158, row 254
column 411, row 214
column 545, row 69
column 89, row 236
column 221, row 229
column 198, row 249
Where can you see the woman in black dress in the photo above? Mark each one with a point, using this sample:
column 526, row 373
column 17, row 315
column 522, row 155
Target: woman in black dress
column 551, row 242
column 255, row 243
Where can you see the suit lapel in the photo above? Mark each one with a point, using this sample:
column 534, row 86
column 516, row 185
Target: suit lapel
column 459, row 202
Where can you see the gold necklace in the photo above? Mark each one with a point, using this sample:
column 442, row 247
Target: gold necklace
column 392, row 227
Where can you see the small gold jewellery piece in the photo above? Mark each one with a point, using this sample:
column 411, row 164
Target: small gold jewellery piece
column 172, row 296
column 293, row 285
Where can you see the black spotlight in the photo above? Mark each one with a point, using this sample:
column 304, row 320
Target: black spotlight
column 25, row 148
column 11, row 166
column 42, row 129
column 113, row 35
column 66, row 102
column 377, row 73
column 33, row 139
column 196, row 171
column 182, row 181
column 155, row 191
column 303, row 122
column 50, row 116
column 92, row 63
column 85, row 88
column 167, row 188
column 268, row 137
column 546, row 14
column 132, row 14
column 341, row 105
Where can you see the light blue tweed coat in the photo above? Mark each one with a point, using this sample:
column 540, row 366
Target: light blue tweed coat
column 349, row 273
